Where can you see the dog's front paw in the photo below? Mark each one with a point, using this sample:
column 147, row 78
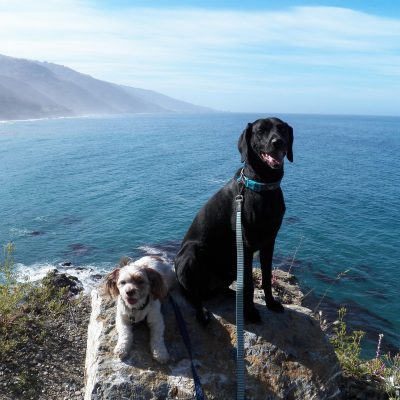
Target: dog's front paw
column 251, row 315
column 121, row 350
column 275, row 305
column 161, row 355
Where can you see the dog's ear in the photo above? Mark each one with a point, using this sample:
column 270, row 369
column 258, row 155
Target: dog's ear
column 125, row 261
column 244, row 142
column 289, row 154
column 110, row 284
column 157, row 285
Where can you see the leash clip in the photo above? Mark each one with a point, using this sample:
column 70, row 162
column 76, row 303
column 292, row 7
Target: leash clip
column 239, row 201
column 239, row 198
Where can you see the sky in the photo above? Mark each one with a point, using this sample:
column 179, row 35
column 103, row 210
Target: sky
column 323, row 57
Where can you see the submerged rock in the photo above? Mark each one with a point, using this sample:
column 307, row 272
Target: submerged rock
column 286, row 357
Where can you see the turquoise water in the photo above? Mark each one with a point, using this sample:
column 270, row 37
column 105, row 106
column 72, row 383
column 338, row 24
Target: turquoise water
column 89, row 190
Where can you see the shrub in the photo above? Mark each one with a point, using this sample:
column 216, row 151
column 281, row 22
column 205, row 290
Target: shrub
column 25, row 309
column 347, row 346
column 382, row 369
column 13, row 315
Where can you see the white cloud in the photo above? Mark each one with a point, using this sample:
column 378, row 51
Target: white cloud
column 187, row 52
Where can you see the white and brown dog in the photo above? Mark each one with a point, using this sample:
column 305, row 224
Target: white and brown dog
column 139, row 286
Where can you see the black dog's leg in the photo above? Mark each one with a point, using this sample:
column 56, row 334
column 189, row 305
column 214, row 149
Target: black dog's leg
column 189, row 278
column 251, row 314
column 202, row 314
column 266, row 254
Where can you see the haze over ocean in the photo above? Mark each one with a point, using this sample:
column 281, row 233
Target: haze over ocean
column 90, row 190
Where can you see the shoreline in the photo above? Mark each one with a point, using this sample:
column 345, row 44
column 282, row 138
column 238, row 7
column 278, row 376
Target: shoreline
column 12, row 121
column 89, row 275
column 252, row 113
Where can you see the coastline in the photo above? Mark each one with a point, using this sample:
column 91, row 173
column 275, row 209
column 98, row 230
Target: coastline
column 12, row 121
column 122, row 115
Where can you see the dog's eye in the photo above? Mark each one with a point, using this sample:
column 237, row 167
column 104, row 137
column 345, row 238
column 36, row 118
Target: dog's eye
column 139, row 281
column 122, row 283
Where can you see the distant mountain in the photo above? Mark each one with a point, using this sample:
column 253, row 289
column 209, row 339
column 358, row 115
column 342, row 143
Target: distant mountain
column 33, row 89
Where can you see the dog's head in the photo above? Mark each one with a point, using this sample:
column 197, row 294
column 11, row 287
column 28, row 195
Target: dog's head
column 266, row 142
column 135, row 282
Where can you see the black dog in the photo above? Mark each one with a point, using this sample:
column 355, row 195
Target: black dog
column 206, row 262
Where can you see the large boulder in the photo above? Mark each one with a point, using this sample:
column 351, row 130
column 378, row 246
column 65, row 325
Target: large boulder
column 287, row 356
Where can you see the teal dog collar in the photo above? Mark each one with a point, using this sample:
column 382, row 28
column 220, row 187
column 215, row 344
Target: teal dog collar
column 257, row 186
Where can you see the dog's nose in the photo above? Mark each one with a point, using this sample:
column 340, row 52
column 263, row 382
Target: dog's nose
column 130, row 292
column 278, row 144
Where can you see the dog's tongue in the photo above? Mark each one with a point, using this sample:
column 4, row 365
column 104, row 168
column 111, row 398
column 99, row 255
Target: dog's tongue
column 131, row 300
column 273, row 160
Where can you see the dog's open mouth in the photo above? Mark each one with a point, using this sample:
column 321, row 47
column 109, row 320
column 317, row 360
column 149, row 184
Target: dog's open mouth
column 274, row 159
column 131, row 300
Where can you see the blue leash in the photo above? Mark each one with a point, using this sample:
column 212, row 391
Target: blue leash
column 240, row 370
column 186, row 340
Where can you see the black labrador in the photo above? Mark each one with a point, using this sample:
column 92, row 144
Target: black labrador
column 206, row 262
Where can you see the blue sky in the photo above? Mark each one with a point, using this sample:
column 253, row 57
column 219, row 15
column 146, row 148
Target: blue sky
column 331, row 57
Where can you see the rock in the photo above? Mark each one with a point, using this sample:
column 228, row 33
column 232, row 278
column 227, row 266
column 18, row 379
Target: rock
column 287, row 356
column 66, row 264
column 36, row 233
column 60, row 280
column 357, row 388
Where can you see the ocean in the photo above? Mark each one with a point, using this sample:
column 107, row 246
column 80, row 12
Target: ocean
column 77, row 194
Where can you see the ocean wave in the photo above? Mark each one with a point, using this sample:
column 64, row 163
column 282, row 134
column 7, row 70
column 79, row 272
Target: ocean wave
column 18, row 232
column 148, row 250
column 218, row 181
column 41, row 218
column 22, row 232
column 89, row 275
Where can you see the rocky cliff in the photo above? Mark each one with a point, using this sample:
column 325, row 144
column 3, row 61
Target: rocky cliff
column 287, row 356
column 33, row 89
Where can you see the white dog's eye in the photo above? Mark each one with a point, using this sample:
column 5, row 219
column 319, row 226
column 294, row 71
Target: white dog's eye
column 122, row 283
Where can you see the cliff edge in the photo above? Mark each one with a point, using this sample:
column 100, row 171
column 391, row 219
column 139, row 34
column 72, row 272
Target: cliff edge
column 286, row 357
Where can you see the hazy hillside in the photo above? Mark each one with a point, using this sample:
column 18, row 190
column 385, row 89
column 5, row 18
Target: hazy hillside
column 32, row 89
column 164, row 101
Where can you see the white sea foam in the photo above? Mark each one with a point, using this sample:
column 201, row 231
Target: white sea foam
column 33, row 273
column 154, row 251
column 89, row 275
column 218, row 181
column 13, row 121
column 41, row 218
column 18, row 232
column 21, row 232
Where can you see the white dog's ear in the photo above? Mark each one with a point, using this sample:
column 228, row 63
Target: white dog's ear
column 125, row 261
column 110, row 285
column 158, row 288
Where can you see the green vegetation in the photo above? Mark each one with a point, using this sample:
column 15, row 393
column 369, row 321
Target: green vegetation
column 25, row 309
column 384, row 369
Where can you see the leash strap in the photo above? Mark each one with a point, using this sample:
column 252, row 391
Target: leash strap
column 186, row 340
column 240, row 370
